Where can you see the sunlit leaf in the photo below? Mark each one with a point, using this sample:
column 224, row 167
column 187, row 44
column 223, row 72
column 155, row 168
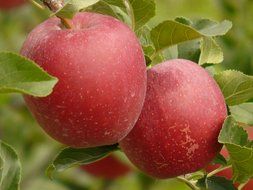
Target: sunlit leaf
column 18, row 74
column 73, row 6
column 211, row 52
column 210, row 28
column 240, row 149
column 141, row 11
column 236, row 87
column 170, row 33
column 243, row 113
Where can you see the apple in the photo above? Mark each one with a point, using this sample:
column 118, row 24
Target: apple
column 228, row 173
column 107, row 168
column 8, row 4
column 183, row 113
column 102, row 79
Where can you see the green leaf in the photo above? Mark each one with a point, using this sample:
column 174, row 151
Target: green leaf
column 133, row 12
column 117, row 3
column 240, row 149
column 104, row 8
column 18, row 74
column 70, row 157
column 211, row 52
column 140, row 11
column 210, row 28
column 219, row 159
column 144, row 36
column 243, row 113
column 170, row 33
column 170, row 53
column 73, row 6
column 215, row 183
column 184, row 20
column 190, row 50
column 147, row 45
column 111, row 7
column 209, row 49
column 1, row 168
column 10, row 168
column 236, row 87
column 152, row 57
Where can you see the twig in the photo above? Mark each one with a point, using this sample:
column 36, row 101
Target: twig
column 241, row 186
column 218, row 170
column 188, row 183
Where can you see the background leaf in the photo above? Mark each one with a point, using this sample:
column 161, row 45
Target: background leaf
column 216, row 183
column 73, row 6
column 243, row 113
column 118, row 3
column 211, row 52
column 10, row 168
column 236, row 87
column 190, row 50
column 184, row 20
column 18, row 74
column 141, row 12
column 112, row 8
column 104, row 8
column 219, row 159
column 240, row 149
column 205, row 50
column 210, row 28
column 70, row 157
column 170, row 33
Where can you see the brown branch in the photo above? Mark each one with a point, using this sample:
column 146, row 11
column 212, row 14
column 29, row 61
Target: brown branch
column 54, row 5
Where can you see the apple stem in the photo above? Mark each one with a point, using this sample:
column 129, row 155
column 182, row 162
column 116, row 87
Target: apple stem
column 54, row 6
column 241, row 186
column 218, row 170
column 188, row 183
column 66, row 22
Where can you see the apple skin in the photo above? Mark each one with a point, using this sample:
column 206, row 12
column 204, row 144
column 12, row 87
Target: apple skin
column 108, row 168
column 102, row 79
column 228, row 173
column 177, row 132
column 8, row 4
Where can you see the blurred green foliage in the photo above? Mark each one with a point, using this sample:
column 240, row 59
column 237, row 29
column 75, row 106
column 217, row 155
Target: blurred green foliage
column 36, row 149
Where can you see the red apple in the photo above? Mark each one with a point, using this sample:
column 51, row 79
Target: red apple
column 177, row 132
column 107, row 168
column 228, row 173
column 249, row 186
column 102, row 79
column 8, row 4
